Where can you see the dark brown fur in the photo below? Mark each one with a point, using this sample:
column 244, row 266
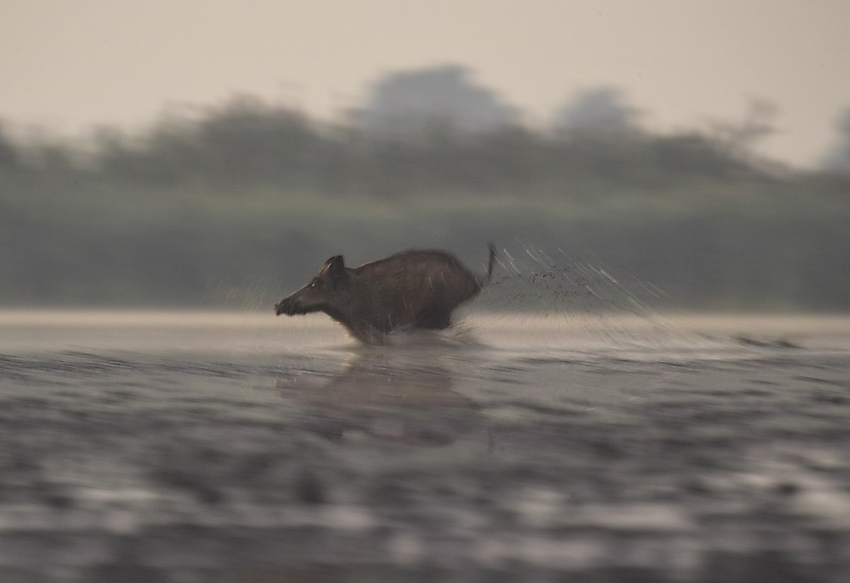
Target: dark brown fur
column 412, row 289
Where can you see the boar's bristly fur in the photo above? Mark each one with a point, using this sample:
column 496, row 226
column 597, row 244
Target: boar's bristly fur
column 412, row 289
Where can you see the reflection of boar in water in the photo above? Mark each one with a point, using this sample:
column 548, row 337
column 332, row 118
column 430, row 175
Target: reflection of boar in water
column 412, row 289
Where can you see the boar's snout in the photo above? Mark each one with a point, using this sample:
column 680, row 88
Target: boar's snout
column 285, row 306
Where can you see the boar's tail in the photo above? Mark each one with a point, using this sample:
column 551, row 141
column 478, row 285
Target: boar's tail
column 491, row 262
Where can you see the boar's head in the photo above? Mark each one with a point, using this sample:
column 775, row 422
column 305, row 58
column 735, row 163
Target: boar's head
column 320, row 293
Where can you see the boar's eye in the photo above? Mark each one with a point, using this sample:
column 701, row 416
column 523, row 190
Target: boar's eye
column 317, row 284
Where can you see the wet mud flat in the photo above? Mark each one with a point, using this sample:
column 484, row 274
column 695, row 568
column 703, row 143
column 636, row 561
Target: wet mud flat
column 162, row 448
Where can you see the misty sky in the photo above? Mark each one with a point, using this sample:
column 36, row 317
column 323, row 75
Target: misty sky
column 71, row 64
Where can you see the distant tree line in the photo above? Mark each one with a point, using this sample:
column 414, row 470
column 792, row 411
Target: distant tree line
column 241, row 200
column 247, row 141
column 838, row 158
column 420, row 131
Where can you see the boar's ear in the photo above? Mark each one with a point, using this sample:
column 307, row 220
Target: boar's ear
column 336, row 268
column 335, row 263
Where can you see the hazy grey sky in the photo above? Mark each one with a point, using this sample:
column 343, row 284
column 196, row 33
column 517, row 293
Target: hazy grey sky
column 70, row 64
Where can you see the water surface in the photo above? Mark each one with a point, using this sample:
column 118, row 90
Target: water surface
column 139, row 446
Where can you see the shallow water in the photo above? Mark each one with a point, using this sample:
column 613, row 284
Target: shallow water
column 239, row 447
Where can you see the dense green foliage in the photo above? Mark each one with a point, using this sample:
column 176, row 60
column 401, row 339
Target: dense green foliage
column 245, row 201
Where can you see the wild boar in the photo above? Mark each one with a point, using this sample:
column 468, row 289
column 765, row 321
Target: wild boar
column 408, row 290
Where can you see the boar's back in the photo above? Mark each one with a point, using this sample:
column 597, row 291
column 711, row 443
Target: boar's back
column 419, row 288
